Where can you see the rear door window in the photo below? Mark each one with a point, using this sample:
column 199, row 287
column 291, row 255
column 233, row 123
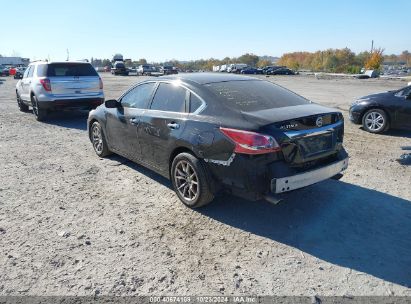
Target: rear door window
column 169, row 97
column 138, row 97
column 70, row 69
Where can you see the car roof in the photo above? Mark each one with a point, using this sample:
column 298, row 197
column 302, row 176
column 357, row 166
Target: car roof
column 58, row 62
column 205, row 78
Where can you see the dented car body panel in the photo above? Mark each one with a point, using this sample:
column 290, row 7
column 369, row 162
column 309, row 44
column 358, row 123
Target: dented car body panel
column 309, row 136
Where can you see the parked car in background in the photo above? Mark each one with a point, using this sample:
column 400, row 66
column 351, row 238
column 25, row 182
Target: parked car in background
column 50, row 86
column 250, row 70
column 382, row 111
column 269, row 69
column 4, row 71
column 19, row 72
column 211, row 132
column 236, row 68
column 280, row 71
column 119, row 68
column 145, row 69
column 168, row 70
column 132, row 71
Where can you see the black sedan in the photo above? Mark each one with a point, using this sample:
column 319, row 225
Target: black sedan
column 250, row 70
column 211, row 132
column 280, row 71
column 382, row 111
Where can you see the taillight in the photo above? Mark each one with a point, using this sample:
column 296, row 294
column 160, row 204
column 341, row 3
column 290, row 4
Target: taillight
column 247, row 142
column 46, row 84
column 101, row 83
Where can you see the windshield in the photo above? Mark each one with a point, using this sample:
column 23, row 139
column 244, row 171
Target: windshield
column 255, row 95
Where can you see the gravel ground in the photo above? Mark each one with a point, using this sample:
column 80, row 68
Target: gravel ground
column 74, row 224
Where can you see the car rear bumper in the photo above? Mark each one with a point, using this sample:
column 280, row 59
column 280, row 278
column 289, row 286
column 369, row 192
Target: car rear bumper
column 293, row 182
column 80, row 103
column 254, row 177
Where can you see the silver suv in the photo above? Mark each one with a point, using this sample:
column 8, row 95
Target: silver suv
column 48, row 86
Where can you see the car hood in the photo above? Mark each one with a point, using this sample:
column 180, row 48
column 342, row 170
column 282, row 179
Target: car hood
column 269, row 116
column 377, row 95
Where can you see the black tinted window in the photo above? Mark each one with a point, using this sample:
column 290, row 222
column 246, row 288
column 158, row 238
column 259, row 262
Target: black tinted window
column 139, row 96
column 70, row 69
column 255, row 95
column 195, row 103
column 169, row 97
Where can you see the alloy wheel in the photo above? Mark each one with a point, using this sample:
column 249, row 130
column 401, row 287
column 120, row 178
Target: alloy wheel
column 97, row 139
column 186, row 180
column 374, row 121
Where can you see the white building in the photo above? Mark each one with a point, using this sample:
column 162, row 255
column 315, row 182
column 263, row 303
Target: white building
column 14, row 61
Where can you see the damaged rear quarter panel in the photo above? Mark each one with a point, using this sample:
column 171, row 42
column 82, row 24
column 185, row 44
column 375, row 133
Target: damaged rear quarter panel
column 206, row 140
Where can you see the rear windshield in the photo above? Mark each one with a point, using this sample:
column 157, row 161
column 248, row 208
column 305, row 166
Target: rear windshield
column 70, row 69
column 249, row 96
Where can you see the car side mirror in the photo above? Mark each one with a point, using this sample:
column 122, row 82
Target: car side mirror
column 111, row 103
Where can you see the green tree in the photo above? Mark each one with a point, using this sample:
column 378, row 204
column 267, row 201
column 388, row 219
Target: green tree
column 249, row 59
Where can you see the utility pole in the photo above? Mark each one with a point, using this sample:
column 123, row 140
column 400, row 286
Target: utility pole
column 68, row 55
column 372, row 46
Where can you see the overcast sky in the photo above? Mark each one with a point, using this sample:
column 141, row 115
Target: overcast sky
column 193, row 29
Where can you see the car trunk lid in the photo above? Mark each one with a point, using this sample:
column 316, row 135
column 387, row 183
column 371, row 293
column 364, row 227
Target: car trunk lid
column 305, row 133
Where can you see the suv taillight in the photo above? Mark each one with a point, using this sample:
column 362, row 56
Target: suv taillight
column 101, row 83
column 46, row 84
column 247, row 142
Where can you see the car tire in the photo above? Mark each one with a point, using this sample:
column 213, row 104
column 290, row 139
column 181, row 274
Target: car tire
column 39, row 113
column 98, row 139
column 375, row 121
column 188, row 169
column 22, row 106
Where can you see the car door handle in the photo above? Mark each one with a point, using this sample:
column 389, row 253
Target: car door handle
column 134, row 121
column 173, row 125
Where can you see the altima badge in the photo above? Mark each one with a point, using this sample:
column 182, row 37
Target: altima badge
column 319, row 122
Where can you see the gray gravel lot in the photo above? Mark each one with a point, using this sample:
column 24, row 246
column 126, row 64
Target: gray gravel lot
column 74, row 224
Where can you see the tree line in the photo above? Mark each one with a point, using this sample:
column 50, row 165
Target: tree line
column 342, row 60
column 330, row 60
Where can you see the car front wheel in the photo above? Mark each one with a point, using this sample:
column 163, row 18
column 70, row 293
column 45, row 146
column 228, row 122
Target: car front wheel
column 375, row 121
column 191, row 180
